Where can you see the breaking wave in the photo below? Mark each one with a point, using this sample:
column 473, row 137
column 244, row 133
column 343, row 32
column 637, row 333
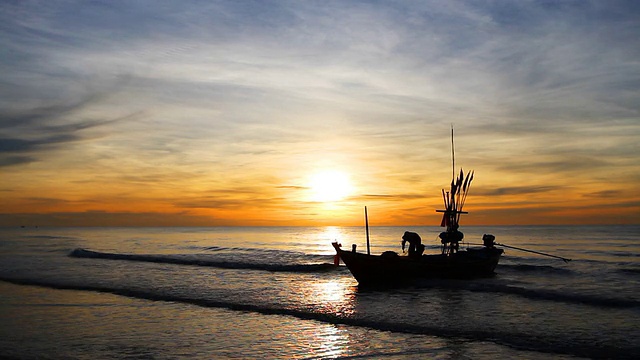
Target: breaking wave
column 550, row 295
column 530, row 293
column 551, row 344
column 224, row 264
column 533, row 268
column 477, row 287
column 630, row 271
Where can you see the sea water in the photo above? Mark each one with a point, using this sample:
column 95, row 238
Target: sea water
column 273, row 293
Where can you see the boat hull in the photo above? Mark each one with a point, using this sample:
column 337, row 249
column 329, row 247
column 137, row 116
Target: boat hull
column 390, row 269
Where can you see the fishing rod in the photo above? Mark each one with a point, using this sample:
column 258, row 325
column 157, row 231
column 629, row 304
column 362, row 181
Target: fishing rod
column 535, row 252
column 527, row 250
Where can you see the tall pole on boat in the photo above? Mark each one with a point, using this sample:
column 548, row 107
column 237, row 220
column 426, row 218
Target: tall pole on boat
column 453, row 157
column 366, row 222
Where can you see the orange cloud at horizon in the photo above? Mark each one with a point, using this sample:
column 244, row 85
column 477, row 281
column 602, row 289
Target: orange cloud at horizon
column 290, row 206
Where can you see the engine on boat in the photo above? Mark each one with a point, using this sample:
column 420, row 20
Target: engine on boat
column 488, row 240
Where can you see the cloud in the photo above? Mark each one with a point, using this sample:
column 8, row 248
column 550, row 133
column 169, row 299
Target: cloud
column 107, row 218
column 459, row 58
column 516, row 190
column 388, row 197
column 293, row 187
column 11, row 145
column 15, row 160
column 46, row 128
column 223, row 95
column 563, row 165
column 605, row 194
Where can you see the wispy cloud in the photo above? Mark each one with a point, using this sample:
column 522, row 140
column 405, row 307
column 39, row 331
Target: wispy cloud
column 516, row 190
column 26, row 135
column 208, row 96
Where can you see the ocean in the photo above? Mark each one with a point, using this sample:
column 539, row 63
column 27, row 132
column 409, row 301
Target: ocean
column 273, row 293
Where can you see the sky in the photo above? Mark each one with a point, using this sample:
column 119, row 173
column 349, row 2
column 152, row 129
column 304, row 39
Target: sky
column 271, row 113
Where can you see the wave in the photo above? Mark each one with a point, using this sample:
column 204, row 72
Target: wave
column 623, row 253
column 224, row 264
column 630, row 270
column 478, row 287
column 528, row 293
column 548, row 344
column 206, row 248
column 49, row 237
column 533, row 268
column 546, row 295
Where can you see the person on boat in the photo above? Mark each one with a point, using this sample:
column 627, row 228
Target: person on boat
column 415, row 244
column 451, row 238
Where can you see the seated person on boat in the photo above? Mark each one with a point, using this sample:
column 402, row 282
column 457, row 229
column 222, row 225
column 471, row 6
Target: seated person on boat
column 451, row 238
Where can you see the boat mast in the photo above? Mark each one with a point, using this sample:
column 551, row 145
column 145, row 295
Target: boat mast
column 453, row 156
column 453, row 202
column 366, row 222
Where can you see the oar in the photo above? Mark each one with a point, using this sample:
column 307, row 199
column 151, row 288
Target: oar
column 535, row 252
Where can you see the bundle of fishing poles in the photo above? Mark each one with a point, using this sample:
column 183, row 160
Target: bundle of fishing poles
column 455, row 199
column 454, row 202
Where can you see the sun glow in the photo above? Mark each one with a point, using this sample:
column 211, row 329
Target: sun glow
column 328, row 186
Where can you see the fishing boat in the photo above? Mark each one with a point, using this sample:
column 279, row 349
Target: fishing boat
column 392, row 269
column 451, row 262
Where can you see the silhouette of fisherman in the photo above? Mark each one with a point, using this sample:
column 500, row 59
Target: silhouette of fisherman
column 415, row 244
column 453, row 237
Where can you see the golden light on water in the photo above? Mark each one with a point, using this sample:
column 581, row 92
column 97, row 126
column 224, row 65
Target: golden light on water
column 333, row 233
column 333, row 296
column 333, row 340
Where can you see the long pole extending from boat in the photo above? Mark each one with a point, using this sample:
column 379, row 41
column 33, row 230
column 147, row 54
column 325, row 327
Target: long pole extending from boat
column 535, row 252
column 366, row 222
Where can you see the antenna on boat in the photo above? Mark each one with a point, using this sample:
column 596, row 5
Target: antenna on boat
column 453, row 157
column 366, row 222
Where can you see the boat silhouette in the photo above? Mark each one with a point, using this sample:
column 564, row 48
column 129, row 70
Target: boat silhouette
column 391, row 268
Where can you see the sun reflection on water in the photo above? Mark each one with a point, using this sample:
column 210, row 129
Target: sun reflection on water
column 329, row 234
column 335, row 297
column 333, row 233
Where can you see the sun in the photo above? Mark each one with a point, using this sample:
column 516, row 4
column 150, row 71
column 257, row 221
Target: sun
column 329, row 185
